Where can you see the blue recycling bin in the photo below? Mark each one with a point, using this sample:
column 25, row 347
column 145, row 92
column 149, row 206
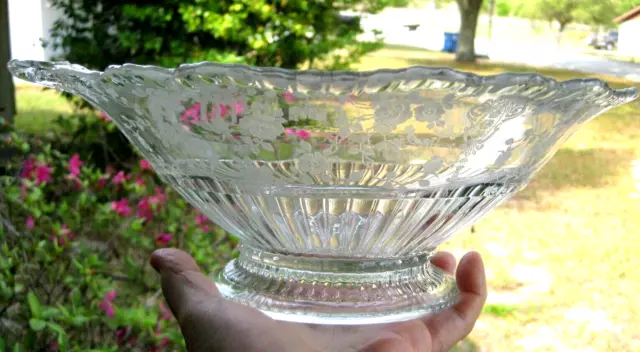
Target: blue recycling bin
column 450, row 42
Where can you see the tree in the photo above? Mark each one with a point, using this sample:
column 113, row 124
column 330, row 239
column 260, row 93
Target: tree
column 7, row 99
column 469, row 11
column 283, row 33
column 562, row 12
column 600, row 13
column 97, row 33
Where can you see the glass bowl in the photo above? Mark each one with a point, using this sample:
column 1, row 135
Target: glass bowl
column 339, row 185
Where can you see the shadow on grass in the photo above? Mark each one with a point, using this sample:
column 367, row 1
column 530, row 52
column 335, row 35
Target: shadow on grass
column 585, row 168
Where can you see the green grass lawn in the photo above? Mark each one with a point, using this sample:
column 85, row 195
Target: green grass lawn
column 563, row 257
column 37, row 108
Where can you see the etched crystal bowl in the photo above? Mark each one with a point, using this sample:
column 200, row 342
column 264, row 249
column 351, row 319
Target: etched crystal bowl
column 339, row 185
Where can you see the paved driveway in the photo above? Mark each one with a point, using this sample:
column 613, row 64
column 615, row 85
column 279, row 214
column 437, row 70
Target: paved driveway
column 567, row 60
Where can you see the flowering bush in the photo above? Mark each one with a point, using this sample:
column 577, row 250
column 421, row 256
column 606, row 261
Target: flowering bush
column 75, row 238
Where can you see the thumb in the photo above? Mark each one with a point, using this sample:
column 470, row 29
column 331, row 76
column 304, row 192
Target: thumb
column 184, row 286
column 207, row 321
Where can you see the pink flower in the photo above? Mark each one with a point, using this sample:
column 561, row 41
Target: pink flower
column 239, row 107
column 121, row 207
column 23, row 191
column 140, row 181
column 191, row 114
column 120, row 177
column 304, row 134
column 111, row 295
column 201, row 219
column 166, row 314
column 288, row 96
column 75, row 180
column 144, row 209
column 43, row 174
column 163, row 238
column 226, row 109
column 62, row 236
column 102, row 181
column 28, row 167
column 74, row 165
column 203, row 222
column 145, row 165
column 159, row 198
column 107, row 303
column 121, row 334
column 108, row 308
column 337, row 138
column 30, row 223
column 104, row 117
column 160, row 345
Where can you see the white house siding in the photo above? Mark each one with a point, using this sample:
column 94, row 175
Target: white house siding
column 629, row 38
column 30, row 22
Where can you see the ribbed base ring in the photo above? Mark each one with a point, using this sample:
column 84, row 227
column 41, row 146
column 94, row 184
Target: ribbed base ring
column 337, row 291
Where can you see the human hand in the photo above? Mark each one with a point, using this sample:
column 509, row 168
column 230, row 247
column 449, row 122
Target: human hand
column 211, row 323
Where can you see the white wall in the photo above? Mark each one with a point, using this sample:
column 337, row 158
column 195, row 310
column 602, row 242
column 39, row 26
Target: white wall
column 628, row 42
column 29, row 23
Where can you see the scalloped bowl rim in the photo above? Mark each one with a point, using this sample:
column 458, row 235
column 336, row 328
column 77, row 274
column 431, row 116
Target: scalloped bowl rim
column 438, row 73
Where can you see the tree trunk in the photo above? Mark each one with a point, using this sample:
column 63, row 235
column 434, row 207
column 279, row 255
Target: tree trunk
column 469, row 11
column 561, row 28
column 7, row 98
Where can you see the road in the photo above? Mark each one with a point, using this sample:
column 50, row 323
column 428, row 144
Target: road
column 518, row 53
column 550, row 57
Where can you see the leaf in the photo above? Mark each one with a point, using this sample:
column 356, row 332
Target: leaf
column 79, row 320
column 34, row 305
column 77, row 264
column 50, row 312
column 30, row 340
column 56, row 328
column 136, row 225
column 18, row 348
column 63, row 309
column 37, row 324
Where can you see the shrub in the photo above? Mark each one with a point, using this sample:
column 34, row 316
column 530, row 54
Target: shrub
column 99, row 33
column 74, row 246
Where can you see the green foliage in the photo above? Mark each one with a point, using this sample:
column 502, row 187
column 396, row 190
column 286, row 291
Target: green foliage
column 561, row 11
column 75, row 240
column 602, row 12
column 564, row 12
column 284, row 33
column 100, row 143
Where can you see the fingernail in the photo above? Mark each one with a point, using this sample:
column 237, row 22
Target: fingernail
column 156, row 259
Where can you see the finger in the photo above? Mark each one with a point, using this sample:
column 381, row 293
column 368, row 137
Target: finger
column 182, row 280
column 454, row 324
column 445, row 261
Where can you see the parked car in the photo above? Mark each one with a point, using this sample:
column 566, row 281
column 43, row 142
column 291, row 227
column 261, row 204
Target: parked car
column 607, row 41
